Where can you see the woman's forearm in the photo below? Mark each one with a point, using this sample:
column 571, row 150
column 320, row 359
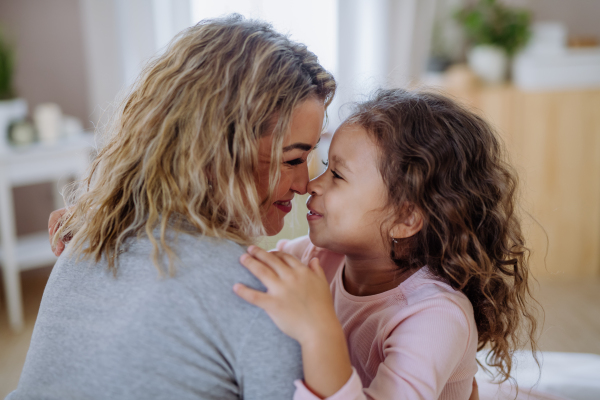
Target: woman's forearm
column 326, row 361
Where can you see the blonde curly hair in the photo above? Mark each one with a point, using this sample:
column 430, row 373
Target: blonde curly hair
column 183, row 145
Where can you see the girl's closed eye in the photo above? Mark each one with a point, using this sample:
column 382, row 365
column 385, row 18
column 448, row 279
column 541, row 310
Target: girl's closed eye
column 335, row 174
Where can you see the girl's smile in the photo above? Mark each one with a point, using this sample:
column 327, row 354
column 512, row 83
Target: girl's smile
column 348, row 201
column 312, row 214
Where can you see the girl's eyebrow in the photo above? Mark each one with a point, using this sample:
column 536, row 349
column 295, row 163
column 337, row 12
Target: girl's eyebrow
column 341, row 162
column 301, row 146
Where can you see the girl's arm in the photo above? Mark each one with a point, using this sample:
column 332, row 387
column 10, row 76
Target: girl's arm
column 420, row 353
column 299, row 302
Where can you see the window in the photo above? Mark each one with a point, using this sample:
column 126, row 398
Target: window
column 312, row 22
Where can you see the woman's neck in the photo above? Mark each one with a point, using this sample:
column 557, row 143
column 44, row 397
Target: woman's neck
column 373, row 275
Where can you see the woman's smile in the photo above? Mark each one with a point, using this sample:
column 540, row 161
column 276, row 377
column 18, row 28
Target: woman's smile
column 284, row 205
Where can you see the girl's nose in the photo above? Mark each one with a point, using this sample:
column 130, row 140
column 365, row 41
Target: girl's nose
column 313, row 186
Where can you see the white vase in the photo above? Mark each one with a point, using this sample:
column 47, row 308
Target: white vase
column 10, row 111
column 48, row 122
column 490, row 63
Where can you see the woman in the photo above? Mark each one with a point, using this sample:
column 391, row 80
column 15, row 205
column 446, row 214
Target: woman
column 206, row 153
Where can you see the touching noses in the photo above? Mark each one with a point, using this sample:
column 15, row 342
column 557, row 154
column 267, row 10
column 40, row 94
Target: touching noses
column 300, row 180
column 314, row 187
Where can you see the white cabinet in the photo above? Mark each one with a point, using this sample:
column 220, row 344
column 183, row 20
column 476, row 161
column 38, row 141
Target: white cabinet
column 67, row 158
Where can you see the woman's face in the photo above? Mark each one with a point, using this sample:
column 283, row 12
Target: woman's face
column 306, row 125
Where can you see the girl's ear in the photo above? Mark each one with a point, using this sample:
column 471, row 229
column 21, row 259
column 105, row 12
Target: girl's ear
column 408, row 227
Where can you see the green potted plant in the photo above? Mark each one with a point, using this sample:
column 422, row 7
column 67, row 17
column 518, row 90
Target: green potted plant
column 496, row 33
column 11, row 107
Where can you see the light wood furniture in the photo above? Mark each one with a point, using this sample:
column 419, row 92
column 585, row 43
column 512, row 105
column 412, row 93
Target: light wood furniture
column 18, row 167
column 553, row 139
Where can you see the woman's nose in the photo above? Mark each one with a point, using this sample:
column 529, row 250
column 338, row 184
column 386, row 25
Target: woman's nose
column 300, row 180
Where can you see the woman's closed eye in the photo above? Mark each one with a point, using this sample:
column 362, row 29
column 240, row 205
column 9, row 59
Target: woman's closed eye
column 295, row 161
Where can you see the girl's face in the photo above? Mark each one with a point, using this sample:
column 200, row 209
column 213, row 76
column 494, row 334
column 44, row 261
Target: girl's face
column 306, row 125
column 347, row 202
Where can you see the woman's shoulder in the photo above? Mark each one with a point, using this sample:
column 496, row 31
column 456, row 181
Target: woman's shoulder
column 199, row 263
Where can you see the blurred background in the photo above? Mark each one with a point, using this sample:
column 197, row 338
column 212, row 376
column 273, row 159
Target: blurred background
column 531, row 67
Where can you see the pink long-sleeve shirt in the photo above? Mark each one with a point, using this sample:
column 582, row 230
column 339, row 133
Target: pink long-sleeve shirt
column 417, row 341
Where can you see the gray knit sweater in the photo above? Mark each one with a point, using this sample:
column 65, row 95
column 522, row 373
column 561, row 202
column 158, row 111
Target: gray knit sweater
column 139, row 336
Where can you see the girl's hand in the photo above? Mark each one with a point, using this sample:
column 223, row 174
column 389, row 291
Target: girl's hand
column 53, row 225
column 299, row 302
column 298, row 299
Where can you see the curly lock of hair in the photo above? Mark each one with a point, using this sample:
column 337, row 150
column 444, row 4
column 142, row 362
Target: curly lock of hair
column 446, row 162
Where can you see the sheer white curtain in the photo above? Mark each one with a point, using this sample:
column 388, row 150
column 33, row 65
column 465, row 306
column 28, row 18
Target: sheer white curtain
column 120, row 36
column 382, row 43
column 366, row 44
column 312, row 22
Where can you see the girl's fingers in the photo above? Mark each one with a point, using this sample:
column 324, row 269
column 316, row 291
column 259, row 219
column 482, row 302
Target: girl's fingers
column 255, row 297
column 259, row 269
column 60, row 246
column 315, row 266
column 53, row 221
column 270, row 259
column 53, row 225
column 289, row 259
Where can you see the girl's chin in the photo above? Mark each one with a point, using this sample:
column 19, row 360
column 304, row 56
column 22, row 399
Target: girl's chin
column 314, row 238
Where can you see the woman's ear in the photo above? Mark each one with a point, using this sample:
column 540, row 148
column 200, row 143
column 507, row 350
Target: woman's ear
column 409, row 226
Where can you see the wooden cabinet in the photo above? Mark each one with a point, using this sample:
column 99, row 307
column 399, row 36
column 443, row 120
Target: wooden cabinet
column 553, row 140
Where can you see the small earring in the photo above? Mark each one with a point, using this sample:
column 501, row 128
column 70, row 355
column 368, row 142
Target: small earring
column 394, row 240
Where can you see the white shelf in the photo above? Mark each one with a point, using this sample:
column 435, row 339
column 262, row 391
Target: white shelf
column 33, row 251
column 41, row 162
column 68, row 157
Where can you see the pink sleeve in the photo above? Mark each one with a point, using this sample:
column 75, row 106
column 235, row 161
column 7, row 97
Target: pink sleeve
column 303, row 249
column 420, row 355
column 297, row 247
column 352, row 390
column 422, row 352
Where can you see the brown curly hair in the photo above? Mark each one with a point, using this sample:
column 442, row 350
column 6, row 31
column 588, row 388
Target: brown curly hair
column 446, row 162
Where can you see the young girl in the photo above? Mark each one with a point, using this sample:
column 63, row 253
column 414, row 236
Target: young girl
column 415, row 245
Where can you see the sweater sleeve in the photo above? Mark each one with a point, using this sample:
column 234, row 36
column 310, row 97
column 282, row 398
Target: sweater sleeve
column 420, row 354
column 269, row 361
